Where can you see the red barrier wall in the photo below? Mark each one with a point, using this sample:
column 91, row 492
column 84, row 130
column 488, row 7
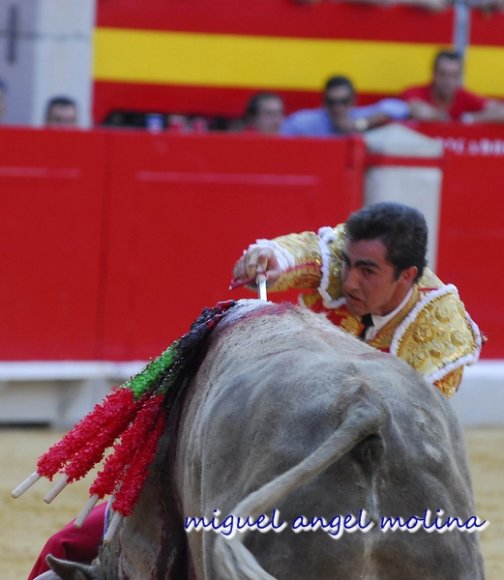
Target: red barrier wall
column 471, row 241
column 116, row 241
column 182, row 209
column 51, row 203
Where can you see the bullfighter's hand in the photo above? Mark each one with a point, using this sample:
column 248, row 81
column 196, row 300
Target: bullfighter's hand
column 256, row 260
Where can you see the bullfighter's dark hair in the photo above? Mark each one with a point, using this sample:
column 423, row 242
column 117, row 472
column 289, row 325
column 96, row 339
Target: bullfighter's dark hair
column 401, row 228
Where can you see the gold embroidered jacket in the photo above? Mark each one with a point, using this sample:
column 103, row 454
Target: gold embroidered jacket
column 433, row 332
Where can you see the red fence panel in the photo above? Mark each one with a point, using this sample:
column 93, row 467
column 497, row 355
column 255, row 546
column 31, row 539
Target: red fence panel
column 113, row 242
column 51, row 203
column 471, row 241
column 182, row 208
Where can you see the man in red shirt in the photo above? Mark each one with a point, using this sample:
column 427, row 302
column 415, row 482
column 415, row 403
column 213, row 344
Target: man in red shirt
column 445, row 99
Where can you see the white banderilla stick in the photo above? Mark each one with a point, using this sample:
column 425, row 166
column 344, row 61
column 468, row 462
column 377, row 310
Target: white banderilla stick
column 261, row 287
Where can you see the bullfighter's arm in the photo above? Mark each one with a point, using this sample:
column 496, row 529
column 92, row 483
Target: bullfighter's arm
column 303, row 261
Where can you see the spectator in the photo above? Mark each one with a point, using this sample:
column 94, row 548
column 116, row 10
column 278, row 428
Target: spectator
column 264, row 113
column 339, row 116
column 445, row 99
column 61, row 112
column 3, row 94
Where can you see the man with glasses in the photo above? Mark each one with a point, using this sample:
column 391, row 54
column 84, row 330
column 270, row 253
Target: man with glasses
column 339, row 116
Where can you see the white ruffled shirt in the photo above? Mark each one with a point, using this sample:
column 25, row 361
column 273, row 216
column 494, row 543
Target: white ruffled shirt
column 380, row 321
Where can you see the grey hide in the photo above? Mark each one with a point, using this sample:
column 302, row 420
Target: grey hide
column 289, row 416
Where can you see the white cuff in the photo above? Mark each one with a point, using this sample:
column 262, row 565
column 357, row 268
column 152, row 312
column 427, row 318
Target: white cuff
column 285, row 259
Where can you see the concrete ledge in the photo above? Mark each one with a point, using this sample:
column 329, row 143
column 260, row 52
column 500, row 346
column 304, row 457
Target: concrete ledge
column 480, row 399
column 61, row 393
column 68, row 370
column 57, row 393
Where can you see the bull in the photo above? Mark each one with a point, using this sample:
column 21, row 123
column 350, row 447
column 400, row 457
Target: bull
column 300, row 452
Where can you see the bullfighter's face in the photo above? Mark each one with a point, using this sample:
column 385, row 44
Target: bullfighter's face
column 370, row 284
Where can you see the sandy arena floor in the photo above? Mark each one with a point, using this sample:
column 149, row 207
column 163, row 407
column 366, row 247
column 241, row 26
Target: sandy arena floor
column 26, row 523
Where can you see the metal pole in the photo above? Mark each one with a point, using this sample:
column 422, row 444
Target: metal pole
column 461, row 25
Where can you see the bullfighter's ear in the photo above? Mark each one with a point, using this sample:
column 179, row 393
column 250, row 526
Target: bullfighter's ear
column 67, row 570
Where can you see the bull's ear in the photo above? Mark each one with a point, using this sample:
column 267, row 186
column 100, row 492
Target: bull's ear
column 73, row 570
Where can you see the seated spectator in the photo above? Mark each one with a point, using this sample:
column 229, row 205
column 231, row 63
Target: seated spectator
column 61, row 112
column 264, row 113
column 339, row 116
column 445, row 99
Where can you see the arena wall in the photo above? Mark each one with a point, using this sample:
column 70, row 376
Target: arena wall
column 115, row 241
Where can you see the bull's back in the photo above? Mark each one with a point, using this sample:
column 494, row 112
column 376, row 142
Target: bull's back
column 273, row 388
